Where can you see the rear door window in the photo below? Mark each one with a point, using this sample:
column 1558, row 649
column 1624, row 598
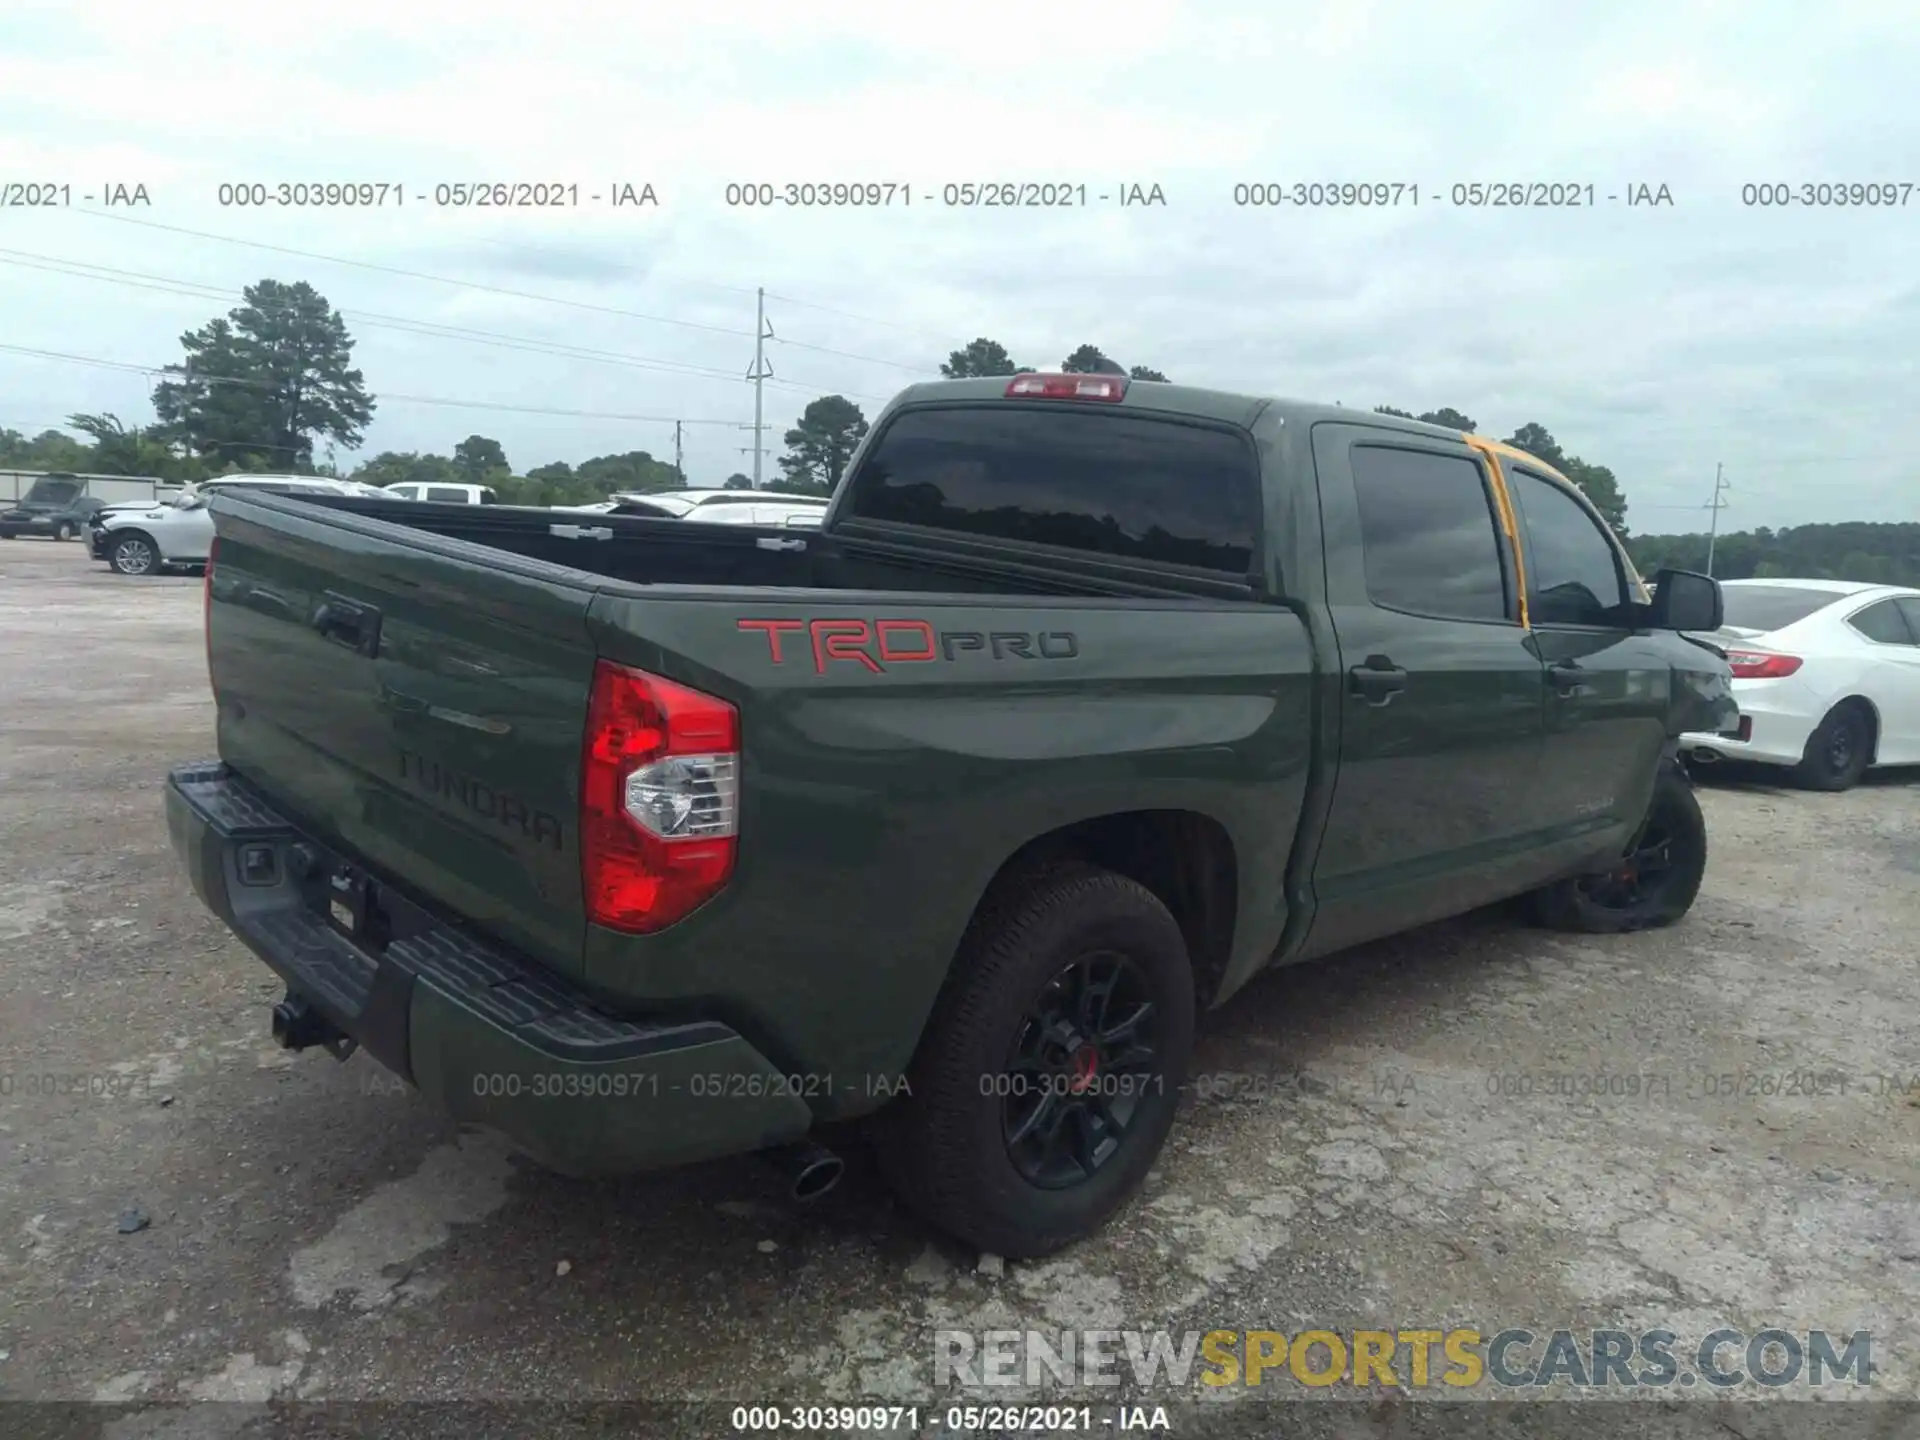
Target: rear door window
column 1910, row 607
column 1113, row 484
column 1427, row 534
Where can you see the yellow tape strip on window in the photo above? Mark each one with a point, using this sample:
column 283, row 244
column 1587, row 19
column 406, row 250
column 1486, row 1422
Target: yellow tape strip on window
column 1504, row 502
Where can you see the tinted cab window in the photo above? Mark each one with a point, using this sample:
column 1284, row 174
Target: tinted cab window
column 1427, row 535
column 446, row 495
column 1114, row 484
column 1573, row 570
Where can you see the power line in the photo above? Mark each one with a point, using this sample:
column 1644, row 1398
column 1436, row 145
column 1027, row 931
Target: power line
column 197, row 290
column 851, row 355
column 409, row 274
column 852, row 315
column 521, row 247
column 246, row 383
column 486, row 288
column 194, row 289
column 517, row 294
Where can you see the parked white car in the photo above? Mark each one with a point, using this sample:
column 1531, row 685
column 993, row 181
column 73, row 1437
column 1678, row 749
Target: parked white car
column 145, row 540
column 713, row 507
column 443, row 494
column 1827, row 673
column 722, row 507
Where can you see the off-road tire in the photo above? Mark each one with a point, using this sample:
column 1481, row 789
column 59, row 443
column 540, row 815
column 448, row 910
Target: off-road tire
column 942, row 1145
column 125, row 541
column 1570, row 904
column 1839, row 750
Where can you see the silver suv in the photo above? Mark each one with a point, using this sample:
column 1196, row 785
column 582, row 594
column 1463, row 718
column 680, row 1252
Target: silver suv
column 146, row 541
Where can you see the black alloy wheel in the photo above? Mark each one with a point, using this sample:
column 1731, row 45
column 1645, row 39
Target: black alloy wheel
column 1078, row 1070
column 1642, row 872
column 1653, row 882
column 1051, row 1066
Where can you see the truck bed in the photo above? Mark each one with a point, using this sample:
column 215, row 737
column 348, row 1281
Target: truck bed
column 409, row 685
column 647, row 551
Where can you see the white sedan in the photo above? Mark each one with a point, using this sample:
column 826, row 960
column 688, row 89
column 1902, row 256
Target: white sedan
column 1827, row 673
column 720, row 507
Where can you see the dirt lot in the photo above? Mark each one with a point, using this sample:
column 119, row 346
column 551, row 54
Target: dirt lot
column 1398, row 1149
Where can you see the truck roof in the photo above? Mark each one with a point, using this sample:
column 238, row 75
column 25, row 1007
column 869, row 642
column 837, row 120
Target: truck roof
column 1229, row 406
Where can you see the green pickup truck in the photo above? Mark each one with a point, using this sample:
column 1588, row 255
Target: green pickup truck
column 644, row 841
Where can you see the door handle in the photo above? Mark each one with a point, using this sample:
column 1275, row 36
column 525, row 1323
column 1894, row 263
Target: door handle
column 348, row 623
column 1377, row 680
column 1567, row 677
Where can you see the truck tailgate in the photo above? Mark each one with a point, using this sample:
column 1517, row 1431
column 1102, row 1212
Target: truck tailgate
column 420, row 701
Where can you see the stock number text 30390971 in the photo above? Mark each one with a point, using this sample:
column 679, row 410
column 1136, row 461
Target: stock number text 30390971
column 951, row 195
column 443, row 195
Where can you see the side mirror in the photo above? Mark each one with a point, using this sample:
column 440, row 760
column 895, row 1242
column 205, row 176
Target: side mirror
column 1686, row 600
column 191, row 502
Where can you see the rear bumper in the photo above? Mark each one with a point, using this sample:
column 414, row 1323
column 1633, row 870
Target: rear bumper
column 1779, row 716
column 492, row 1038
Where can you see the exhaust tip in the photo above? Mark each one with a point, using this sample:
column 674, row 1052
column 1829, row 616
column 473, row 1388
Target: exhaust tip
column 811, row 1170
column 818, row 1177
column 1704, row 757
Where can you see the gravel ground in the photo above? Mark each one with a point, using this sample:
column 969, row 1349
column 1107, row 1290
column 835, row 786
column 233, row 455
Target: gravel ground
column 1395, row 1148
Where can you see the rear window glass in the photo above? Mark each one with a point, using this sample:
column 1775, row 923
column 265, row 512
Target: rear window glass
column 1773, row 607
column 446, row 495
column 1427, row 537
column 1108, row 483
column 53, row 492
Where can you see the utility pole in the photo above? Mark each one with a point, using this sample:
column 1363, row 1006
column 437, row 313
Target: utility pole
column 1720, row 487
column 762, row 332
column 676, row 453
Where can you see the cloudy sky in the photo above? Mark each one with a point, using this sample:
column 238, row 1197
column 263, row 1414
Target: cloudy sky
column 1657, row 340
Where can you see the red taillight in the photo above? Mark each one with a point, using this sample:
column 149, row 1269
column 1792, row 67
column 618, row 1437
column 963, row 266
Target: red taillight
column 659, row 799
column 1759, row 665
column 1069, row 387
column 206, row 604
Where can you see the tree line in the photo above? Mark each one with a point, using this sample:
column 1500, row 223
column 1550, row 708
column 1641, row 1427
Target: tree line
column 1878, row 554
column 271, row 387
column 984, row 357
column 265, row 386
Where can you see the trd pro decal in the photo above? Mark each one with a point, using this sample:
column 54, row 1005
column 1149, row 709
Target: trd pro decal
column 880, row 644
